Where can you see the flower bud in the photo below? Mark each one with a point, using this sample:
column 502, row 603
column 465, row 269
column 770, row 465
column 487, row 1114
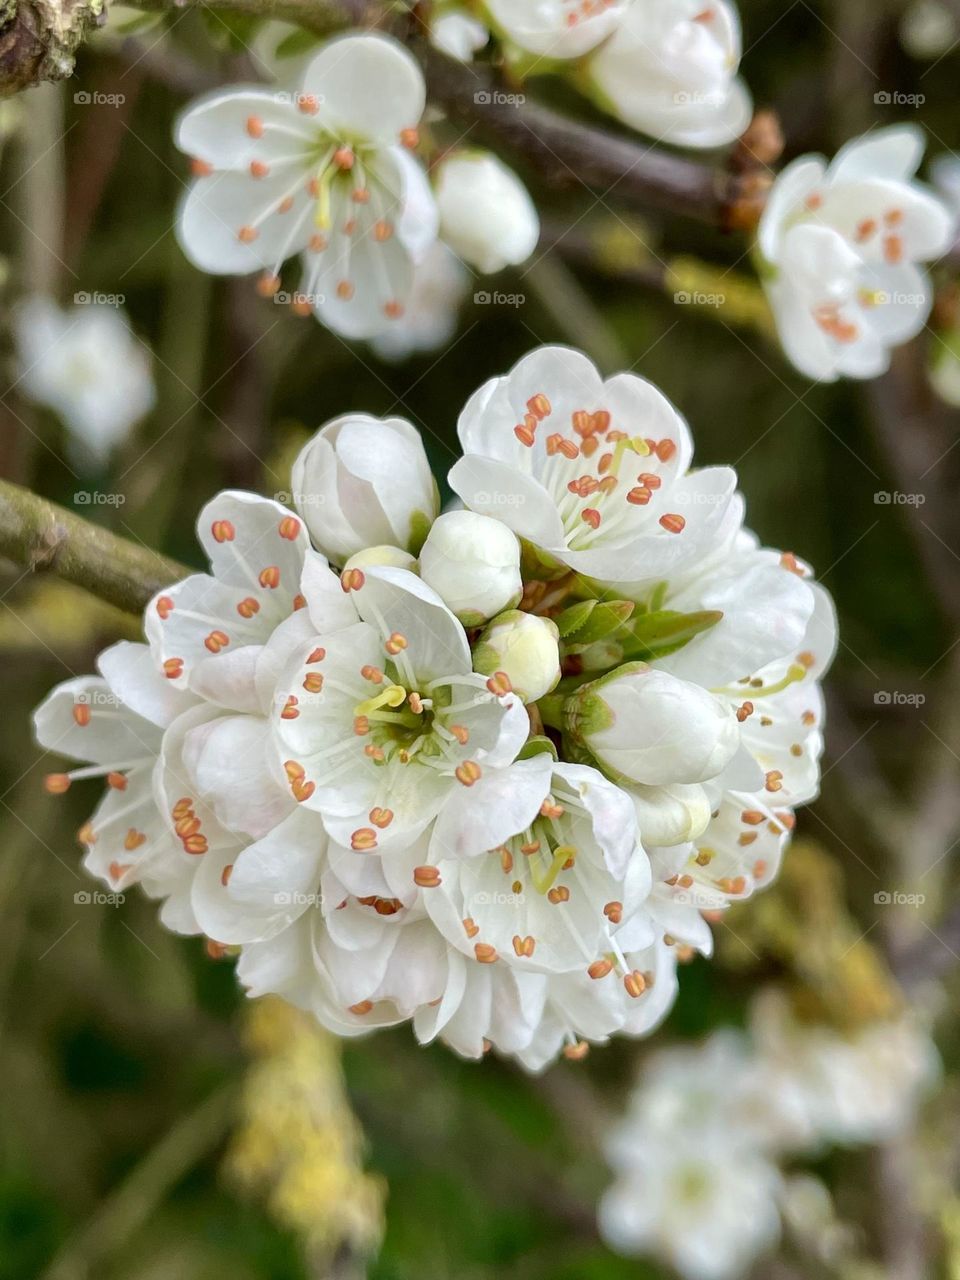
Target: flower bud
column 363, row 482
column 486, row 214
column 473, row 564
column 373, row 557
column 671, row 815
column 526, row 648
column 646, row 726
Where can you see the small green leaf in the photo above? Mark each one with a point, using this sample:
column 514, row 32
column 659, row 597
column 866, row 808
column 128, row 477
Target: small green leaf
column 571, row 620
column 592, row 620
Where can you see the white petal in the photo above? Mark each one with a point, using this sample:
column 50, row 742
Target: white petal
column 231, row 223
column 791, row 188
column 368, row 86
column 269, row 885
column 501, row 803
column 85, row 719
column 214, row 128
column 397, row 601
column 133, row 674
column 228, row 760
column 894, row 153
column 495, row 488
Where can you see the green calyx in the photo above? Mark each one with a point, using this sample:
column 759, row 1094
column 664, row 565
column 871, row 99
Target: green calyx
column 604, row 634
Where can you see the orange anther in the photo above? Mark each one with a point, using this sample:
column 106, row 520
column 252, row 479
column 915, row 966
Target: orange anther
column 223, row 531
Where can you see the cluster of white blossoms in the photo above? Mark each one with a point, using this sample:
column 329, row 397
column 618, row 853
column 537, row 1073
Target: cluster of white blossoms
column 839, row 249
column 697, row 1155
column 667, row 68
column 485, row 770
column 87, row 365
column 329, row 172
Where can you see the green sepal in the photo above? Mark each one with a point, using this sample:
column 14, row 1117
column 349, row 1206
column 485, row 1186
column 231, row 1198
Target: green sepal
column 591, row 620
column 538, row 745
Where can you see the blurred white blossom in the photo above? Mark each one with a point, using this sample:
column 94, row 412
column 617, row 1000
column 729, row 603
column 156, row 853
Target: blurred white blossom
column 841, row 247
column 87, row 365
column 696, row 1156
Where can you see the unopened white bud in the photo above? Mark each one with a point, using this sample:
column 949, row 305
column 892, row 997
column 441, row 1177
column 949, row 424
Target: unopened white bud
column 473, row 564
column 526, row 648
column 486, row 214
column 644, row 725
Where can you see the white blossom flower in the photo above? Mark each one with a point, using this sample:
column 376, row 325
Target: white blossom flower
column 556, row 28
column 473, row 564
column 86, row 364
column 765, row 658
column 256, row 549
column 670, row 70
column 379, row 723
column 826, row 1086
column 595, row 474
column 525, row 648
column 486, row 214
column 362, row 481
column 534, row 864
column 458, row 33
column 116, row 722
column 325, row 172
column 841, row 246
column 329, row 772
column 440, row 284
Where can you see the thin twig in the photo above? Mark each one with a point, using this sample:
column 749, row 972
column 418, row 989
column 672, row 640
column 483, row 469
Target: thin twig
column 43, row 537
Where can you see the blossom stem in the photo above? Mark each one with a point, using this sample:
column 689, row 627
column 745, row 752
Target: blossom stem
column 40, row 536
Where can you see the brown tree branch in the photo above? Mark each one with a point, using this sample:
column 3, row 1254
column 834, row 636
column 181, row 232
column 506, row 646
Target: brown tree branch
column 568, row 154
column 42, row 537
